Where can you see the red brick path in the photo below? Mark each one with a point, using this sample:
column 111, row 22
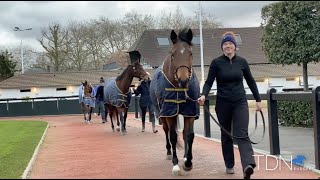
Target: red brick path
column 74, row 149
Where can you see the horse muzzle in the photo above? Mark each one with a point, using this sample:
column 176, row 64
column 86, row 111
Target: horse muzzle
column 183, row 83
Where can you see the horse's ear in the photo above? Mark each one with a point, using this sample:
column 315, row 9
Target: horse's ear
column 174, row 37
column 190, row 35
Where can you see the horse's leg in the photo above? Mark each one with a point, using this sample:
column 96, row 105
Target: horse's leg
column 82, row 110
column 87, row 113
column 90, row 112
column 168, row 145
column 111, row 119
column 106, row 114
column 121, row 120
column 184, row 135
column 172, row 123
column 111, row 115
column 125, row 119
column 188, row 138
column 118, row 122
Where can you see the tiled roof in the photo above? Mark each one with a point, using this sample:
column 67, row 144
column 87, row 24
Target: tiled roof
column 250, row 48
column 63, row 79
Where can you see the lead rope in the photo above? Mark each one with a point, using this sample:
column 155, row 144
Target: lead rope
column 236, row 137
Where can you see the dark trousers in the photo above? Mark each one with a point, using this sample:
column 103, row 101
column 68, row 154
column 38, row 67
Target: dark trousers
column 151, row 115
column 236, row 114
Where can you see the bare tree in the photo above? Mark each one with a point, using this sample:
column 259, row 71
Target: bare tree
column 54, row 42
column 94, row 43
column 177, row 20
column 42, row 62
column 208, row 21
column 113, row 35
column 165, row 20
column 135, row 24
column 77, row 51
column 29, row 56
column 169, row 20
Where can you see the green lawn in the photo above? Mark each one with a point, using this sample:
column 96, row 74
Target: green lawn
column 18, row 140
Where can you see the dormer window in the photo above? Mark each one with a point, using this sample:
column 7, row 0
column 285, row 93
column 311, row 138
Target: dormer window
column 238, row 39
column 196, row 40
column 163, row 41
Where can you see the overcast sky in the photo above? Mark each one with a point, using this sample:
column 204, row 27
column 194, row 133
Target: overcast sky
column 39, row 14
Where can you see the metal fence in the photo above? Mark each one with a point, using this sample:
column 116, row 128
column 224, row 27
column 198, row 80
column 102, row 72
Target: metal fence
column 272, row 98
column 70, row 105
column 42, row 106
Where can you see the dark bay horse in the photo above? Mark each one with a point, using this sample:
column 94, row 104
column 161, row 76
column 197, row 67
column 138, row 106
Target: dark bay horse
column 173, row 90
column 117, row 94
column 86, row 99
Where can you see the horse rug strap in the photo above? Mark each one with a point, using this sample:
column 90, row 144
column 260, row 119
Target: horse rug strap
column 172, row 100
column 113, row 95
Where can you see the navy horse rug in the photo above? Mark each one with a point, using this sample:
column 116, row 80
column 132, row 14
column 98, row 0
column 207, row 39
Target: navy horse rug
column 170, row 100
column 113, row 95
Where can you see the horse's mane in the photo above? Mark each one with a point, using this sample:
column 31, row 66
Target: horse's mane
column 183, row 36
column 122, row 74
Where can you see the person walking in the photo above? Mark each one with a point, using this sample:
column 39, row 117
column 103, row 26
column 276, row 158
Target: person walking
column 100, row 101
column 231, row 103
column 146, row 103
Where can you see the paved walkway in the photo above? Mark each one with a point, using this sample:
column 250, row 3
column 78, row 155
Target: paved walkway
column 73, row 149
column 293, row 140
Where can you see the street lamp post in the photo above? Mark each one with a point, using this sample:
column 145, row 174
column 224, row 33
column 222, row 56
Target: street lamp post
column 201, row 47
column 21, row 48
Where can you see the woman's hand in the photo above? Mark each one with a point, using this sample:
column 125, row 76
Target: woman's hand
column 201, row 100
column 258, row 106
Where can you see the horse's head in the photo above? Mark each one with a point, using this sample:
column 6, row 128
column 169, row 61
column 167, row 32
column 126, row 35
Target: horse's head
column 181, row 56
column 138, row 71
column 86, row 87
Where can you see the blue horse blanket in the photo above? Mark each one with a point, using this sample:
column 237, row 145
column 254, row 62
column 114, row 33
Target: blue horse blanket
column 87, row 101
column 170, row 100
column 113, row 95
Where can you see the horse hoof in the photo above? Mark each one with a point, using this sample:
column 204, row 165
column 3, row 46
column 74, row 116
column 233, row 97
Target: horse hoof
column 169, row 157
column 187, row 168
column 176, row 170
column 113, row 130
column 118, row 129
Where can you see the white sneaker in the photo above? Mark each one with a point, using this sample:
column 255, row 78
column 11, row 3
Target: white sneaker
column 229, row 170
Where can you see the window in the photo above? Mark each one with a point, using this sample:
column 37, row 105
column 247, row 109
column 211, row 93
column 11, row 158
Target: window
column 61, row 89
column 238, row 39
column 196, row 40
column 25, row 90
column 260, row 79
column 163, row 41
column 290, row 79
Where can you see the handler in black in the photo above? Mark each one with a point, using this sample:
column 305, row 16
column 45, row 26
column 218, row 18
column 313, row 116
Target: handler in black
column 231, row 103
column 146, row 103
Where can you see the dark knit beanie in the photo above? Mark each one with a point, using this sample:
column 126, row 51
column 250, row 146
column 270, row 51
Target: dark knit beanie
column 228, row 37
